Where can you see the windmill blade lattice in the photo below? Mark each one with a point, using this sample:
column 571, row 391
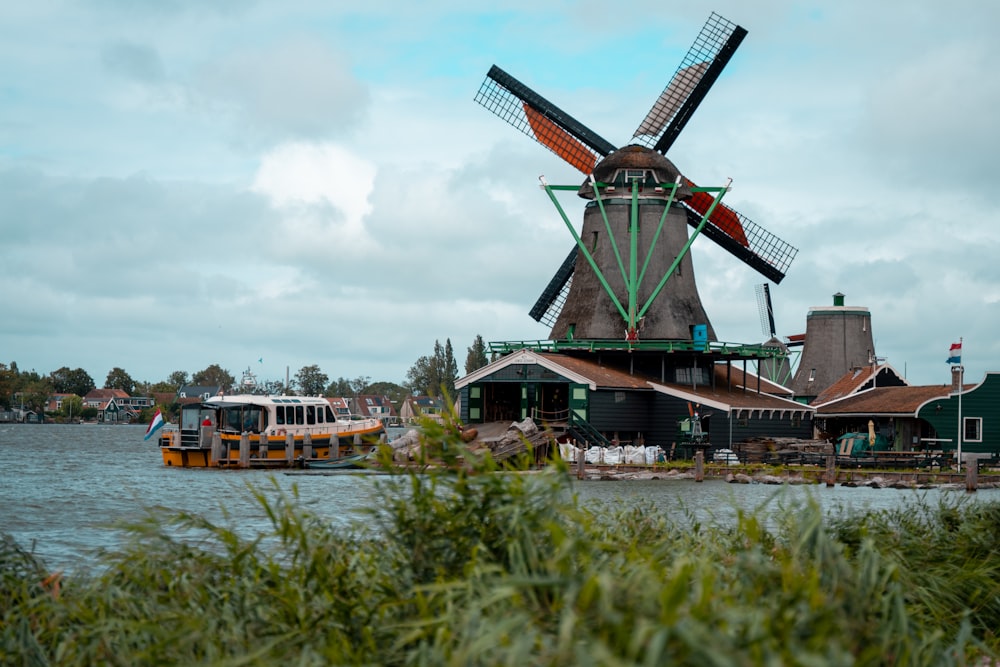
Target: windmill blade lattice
column 535, row 116
column 763, row 251
column 705, row 60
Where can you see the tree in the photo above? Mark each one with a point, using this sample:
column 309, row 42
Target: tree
column 214, row 376
column 178, row 379
column 434, row 375
column 476, row 358
column 36, row 394
column 72, row 407
column 395, row 392
column 339, row 388
column 420, row 378
column 119, row 379
column 66, row 381
column 311, row 380
column 8, row 384
column 359, row 385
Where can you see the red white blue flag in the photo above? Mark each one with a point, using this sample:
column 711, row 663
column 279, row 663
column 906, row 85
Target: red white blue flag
column 955, row 354
column 154, row 425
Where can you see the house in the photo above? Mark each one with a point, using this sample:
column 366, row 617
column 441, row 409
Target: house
column 190, row 393
column 55, row 401
column 114, row 406
column 371, row 405
column 414, row 407
column 611, row 403
column 910, row 417
column 341, row 407
column 966, row 416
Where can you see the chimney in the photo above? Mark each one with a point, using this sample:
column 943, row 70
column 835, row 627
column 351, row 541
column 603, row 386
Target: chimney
column 956, row 378
column 838, row 299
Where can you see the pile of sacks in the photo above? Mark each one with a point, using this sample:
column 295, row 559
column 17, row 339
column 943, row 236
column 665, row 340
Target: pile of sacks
column 627, row 455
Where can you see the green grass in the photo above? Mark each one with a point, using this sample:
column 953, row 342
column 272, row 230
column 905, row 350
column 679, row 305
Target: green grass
column 464, row 564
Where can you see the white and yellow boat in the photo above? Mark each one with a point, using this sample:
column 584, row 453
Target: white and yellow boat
column 253, row 431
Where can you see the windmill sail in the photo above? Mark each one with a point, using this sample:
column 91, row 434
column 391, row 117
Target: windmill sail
column 708, row 56
column 670, row 101
column 535, row 116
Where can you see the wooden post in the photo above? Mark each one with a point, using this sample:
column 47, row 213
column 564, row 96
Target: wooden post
column 218, row 453
column 289, row 448
column 699, row 465
column 262, row 446
column 971, row 475
column 307, row 446
column 830, row 477
column 581, row 460
column 245, row 450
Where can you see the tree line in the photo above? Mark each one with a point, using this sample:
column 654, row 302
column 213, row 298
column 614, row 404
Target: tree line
column 432, row 375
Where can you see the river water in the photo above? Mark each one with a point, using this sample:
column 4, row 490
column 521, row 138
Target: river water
column 62, row 486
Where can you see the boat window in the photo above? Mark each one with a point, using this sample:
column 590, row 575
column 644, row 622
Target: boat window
column 233, row 421
column 310, row 414
column 330, row 417
column 279, row 415
column 319, row 414
column 298, row 415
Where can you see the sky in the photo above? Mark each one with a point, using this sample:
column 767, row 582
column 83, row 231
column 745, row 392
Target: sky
column 273, row 185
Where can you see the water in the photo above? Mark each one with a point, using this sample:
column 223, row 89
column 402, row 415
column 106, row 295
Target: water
column 62, row 486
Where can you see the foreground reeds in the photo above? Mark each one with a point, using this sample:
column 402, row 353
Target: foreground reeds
column 466, row 565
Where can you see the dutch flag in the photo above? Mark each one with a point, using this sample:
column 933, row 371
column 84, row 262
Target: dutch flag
column 955, row 354
column 154, row 425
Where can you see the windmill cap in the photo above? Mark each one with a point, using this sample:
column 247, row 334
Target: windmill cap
column 634, row 157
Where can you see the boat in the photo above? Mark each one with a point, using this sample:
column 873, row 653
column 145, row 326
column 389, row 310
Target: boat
column 340, row 463
column 258, row 431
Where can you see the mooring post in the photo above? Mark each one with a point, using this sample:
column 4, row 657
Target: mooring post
column 971, row 475
column 831, row 470
column 307, row 446
column 218, row 452
column 262, row 446
column 581, row 460
column 289, row 448
column 245, row 450
column 699, row 466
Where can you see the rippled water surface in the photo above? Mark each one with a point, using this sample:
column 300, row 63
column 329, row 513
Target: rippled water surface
column 61, row 486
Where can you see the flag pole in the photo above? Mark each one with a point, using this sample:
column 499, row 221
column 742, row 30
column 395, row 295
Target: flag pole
column 961, row 382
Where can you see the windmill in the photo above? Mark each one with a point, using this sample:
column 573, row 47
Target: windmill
column 639, row 201
column 777, row 368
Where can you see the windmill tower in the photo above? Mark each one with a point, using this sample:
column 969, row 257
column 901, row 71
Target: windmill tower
column 629, row 273
column 838, row 339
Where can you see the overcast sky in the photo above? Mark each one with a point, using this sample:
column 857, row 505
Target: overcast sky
column 279, row 184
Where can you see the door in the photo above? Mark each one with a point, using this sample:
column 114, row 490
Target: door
column 475, row 404
column 579, row 401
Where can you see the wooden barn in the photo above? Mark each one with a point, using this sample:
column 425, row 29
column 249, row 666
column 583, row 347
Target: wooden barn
column 607, row 403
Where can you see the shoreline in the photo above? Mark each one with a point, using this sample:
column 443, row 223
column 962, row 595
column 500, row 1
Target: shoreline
column 892, row 479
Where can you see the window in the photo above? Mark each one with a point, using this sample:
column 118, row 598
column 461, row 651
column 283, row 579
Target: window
column 299, row 415
column 973, row 429
column 692, row 376
column 619, row 397
column 310, row 414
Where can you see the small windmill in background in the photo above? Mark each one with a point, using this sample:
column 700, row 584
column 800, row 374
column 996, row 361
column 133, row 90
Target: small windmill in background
column 776, row 369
